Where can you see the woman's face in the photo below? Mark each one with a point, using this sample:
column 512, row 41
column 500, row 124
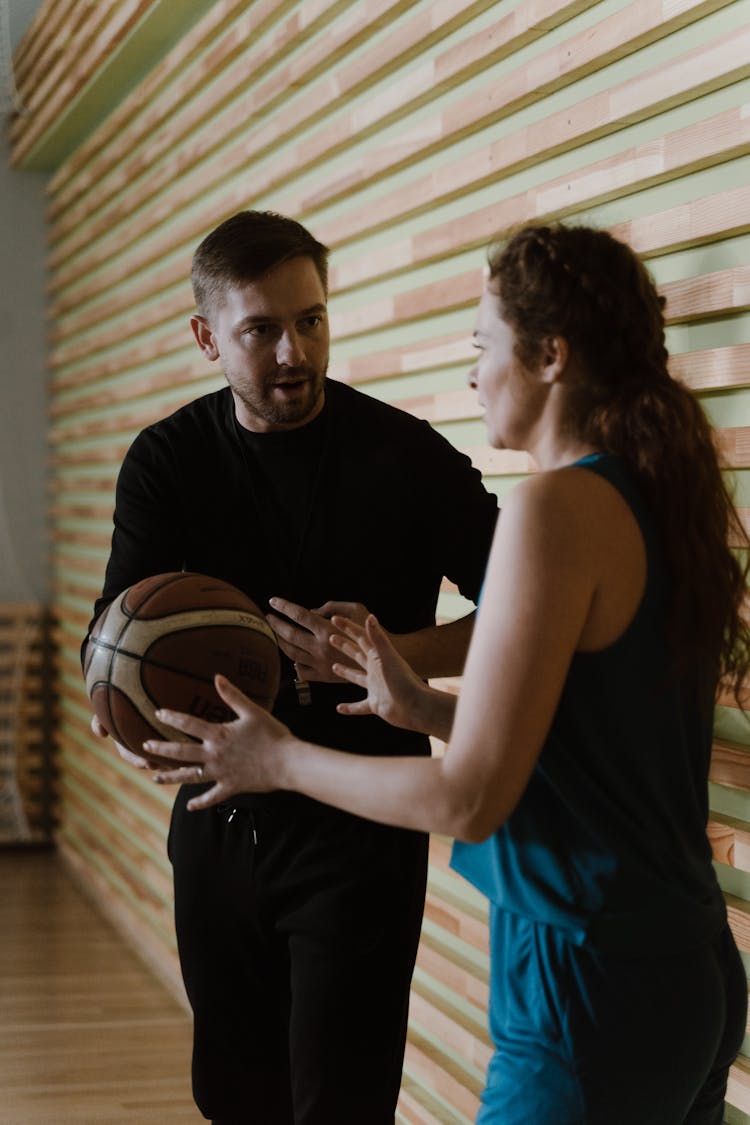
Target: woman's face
column 511, row 394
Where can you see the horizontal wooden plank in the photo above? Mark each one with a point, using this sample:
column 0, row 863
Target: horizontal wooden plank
column 42, row 41
column 187, row 374
column 69, row 536
column 695, row 223
column 196, row 119
column 254, row 61
column 48, row 94
column 738, row 1087
column 450, row 963
column 713, row 369
column 156, row 98
column 453, row 1079
column 500, row 462
column 148, row 881
column 690, row 299
column 117, row 782
column 462, row 1027
column 730, row 840
column 738, row 912
column 254, row 102
column 100, row 455
column 613, row 36
column 734, row 446
column 80, row 511
column 587, row 120
column 730, row 764
column 162, row 311
column 169, row 341
column 725, row 697
column 420, row 1105
column 699, row 145
column 124, row 422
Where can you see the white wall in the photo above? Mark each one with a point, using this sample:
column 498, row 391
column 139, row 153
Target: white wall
column 23, row 395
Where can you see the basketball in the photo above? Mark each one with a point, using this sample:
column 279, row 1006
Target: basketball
column 160, row 643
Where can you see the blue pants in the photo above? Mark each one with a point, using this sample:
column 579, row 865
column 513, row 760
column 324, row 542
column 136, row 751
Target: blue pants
column 588, row 1039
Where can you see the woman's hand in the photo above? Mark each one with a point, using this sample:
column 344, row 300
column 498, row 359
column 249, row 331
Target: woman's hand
column 242, row 756
column 394, row 692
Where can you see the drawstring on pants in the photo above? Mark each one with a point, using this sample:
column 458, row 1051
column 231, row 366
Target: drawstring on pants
column 232, row 810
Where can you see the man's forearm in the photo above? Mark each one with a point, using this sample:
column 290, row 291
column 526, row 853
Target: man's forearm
column 437, row 651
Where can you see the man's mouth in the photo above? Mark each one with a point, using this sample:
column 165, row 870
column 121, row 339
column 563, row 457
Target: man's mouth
column 292, row 381
column 291, row 384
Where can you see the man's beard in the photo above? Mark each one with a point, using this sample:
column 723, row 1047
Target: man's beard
column 273, row 407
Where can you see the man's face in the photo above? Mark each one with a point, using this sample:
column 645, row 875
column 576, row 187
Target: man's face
column 272, row 338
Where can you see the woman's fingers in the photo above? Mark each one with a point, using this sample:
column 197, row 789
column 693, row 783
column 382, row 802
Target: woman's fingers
column 190, row 724
column 232, row 695
column 374, row 631
column 361, row 707
column 353, row 675
column 377, row 637
column 348, row 627
column 185, row 775
column 349, row 649
column 187, row 752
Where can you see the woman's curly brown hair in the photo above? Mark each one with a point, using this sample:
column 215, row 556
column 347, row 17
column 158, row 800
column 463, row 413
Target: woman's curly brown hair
column 586, row 286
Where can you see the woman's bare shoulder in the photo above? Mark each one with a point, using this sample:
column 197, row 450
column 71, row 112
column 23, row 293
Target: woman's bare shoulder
column 569, row 507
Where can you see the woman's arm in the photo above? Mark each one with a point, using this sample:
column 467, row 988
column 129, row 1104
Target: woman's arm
column 541, row 580
column 304, row 635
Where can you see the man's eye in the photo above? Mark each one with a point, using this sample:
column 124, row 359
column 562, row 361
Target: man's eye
column 311, row 321
column 259, row 330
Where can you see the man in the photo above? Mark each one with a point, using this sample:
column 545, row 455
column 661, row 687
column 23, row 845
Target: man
column 297, row 924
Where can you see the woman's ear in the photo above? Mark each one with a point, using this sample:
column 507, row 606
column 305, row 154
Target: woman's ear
column 555, row 355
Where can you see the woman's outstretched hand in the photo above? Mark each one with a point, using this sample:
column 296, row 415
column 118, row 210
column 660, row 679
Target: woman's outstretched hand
column 394, row 692
column 241, row 756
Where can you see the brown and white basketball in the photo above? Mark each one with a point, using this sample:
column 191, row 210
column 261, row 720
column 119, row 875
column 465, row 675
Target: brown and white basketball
column 160, row 643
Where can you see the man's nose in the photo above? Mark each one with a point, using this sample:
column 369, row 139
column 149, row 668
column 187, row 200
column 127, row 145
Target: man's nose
column 290, row 352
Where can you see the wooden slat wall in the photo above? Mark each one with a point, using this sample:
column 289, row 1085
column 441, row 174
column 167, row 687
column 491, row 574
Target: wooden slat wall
column 27, row 780
column 405, row 133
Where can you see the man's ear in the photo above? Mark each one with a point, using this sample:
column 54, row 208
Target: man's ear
column 204, row 337
column 555, row 355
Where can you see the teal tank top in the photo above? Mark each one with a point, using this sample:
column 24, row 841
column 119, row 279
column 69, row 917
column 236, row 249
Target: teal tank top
column 608, row 841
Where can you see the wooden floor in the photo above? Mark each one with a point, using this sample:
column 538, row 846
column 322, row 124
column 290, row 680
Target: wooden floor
column 87, row 1034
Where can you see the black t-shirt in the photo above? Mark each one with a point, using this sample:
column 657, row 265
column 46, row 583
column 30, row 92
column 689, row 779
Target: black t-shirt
column 285, row 469
column 391, row 508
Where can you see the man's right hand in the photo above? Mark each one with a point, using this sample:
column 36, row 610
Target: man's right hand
column 127, row 755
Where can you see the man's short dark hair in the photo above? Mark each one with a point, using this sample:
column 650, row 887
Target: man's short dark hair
column 244, row 247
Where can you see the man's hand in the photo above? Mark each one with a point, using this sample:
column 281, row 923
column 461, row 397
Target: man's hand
column 305, row 637
column 127, row 755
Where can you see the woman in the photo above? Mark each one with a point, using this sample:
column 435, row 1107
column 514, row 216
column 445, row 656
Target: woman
column 577, row 760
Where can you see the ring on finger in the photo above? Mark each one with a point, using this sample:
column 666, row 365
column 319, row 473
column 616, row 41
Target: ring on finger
column 199, row 770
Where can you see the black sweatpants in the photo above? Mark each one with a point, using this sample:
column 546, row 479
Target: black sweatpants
column 297, row 928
